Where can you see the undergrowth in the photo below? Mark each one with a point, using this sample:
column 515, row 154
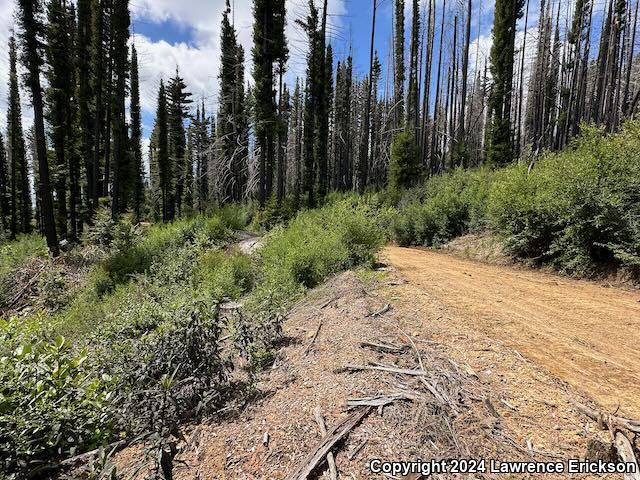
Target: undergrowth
column 578, row 210
column 140, row 348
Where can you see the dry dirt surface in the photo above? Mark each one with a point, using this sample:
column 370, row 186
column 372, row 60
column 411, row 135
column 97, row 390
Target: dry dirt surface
column 457, row 389
column 582, row 333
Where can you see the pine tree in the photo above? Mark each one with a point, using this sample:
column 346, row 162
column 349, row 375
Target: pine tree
column 413, row 96
column 312, row 94
column 188, row 186
column 98, row 85
column 294, row 151
column 137, row 169
column 85, row 96
column 59, row 68
column 240, row 164
column 232, row 112
column 201, row 147
column 4, row 189
column 30, row 19
column 161, row 158
column 269, row 47
column 363, row 153
column 120, row 21
column 500, row 144
column 323, row 104
column 18, row 183
column 73, row 135
column 178, row 100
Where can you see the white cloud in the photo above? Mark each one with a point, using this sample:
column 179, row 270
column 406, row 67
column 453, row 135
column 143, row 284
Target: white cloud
column 199, row 61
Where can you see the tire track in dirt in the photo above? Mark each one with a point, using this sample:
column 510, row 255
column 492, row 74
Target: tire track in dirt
column 583, row 333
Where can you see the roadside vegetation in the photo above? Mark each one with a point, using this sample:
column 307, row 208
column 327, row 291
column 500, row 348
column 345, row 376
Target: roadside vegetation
column 577, row 210
column 148, row 340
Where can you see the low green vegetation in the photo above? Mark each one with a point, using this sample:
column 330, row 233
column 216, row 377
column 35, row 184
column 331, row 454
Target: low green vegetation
column 145, row 344
column 578, row 210
column 15, row 253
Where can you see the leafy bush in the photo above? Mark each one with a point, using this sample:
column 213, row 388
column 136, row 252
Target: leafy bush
column 445, row 207
column 577, row 210
column 54, row 289
column 316, row 244
column 156, row 359
column 214, row 229
column 172, row 372
column 50, row 403
column 221, row 275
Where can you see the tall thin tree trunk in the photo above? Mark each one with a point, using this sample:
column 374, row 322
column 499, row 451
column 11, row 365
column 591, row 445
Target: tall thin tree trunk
column 363, row 154
column 434, row 139
column 521, row 87
column 625, row 96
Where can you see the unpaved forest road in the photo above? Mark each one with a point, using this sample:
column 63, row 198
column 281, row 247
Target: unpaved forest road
column 583, row 333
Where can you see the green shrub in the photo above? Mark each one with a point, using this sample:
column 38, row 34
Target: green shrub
column 14, row 253
column 446, row 206
column 316, row 244
column 577, row 210
column 221, row 275
column 54, row 289
column 50, row 403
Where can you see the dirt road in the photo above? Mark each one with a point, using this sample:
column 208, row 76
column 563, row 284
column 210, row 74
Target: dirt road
column 584, row 334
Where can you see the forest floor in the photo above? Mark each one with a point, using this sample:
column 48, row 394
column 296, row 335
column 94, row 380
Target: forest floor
column 501, row 353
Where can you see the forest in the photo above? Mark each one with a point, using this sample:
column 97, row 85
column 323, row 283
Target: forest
column 130, row 303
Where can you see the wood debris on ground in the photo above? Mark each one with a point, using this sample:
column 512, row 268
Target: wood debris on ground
column 406, row 394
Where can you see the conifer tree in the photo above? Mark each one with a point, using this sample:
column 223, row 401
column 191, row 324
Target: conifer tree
column 240, row 164
column 312, row 94
column 413, row 95
column 294, row 150
column 178, row 100
column 363, row 152
column 137, row 169
column 98, row 85
column 59, row 70
column 324, row 56
column 232, row 114
column 4, row 189
column 120, row 21
column 30, row 20
column 161, row 157
column 500, row 144
column 85, row 96
column 269, row 47
column 188, row 186
column 201, row 147
column 18, row 183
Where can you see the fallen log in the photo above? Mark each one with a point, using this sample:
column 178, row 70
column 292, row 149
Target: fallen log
column 384, row 368
column 618, row 428
column 378, row 401
column 626, row 453
column 609, row 421
column 333, row 471
column 382, row 311
column 319, row 453
column 384, row 347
